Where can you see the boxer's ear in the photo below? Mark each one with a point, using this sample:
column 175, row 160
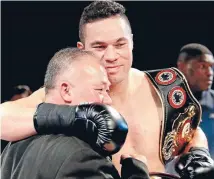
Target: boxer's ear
column 80, row 45
column 66, row 92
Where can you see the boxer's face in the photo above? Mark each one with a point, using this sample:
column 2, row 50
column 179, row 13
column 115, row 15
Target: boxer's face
column 110, row 40
column 199, row 73
column 89, row 82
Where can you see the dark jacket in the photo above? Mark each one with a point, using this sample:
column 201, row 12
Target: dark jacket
column 207, row 124
column 54, row 157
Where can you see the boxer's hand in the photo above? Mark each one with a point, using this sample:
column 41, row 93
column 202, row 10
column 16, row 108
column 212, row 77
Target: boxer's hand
column 196, row 164
column 95, row 123
column 134, row 167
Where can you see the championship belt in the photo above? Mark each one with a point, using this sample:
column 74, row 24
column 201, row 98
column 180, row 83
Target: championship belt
column 181, row 111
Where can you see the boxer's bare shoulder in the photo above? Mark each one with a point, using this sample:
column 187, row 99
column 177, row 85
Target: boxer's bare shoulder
column 140, row 80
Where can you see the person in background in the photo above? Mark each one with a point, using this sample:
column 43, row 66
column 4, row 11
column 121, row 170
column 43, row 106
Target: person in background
column 196, row 62
column 20, row 91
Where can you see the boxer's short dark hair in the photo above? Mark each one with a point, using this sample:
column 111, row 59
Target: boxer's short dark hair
column 60, row 62
column 193, row 51
column 100, row 10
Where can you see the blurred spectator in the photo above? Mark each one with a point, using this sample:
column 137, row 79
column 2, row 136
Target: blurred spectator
column 196, row 62
column 18, row 92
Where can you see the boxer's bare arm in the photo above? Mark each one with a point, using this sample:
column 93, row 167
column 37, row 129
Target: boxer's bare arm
column 199, row 140
column 17, row 116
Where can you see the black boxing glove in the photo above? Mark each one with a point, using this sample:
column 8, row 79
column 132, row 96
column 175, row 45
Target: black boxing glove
column 97, row 124
column 133, row 169
column 196, row 164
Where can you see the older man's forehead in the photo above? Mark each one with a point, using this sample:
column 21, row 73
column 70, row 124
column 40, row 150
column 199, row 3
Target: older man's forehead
column 97, row 71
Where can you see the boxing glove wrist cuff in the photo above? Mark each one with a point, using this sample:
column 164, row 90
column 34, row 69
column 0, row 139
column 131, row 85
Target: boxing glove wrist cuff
column 48, row 118
column 200, row 151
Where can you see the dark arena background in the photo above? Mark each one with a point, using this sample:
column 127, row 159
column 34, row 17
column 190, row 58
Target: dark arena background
column 33, row 31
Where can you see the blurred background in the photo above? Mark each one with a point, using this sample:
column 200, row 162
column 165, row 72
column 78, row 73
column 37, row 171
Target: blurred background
column 33, row 31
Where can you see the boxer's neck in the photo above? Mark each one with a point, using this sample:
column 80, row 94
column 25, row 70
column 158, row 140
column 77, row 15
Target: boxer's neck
column 120, row 90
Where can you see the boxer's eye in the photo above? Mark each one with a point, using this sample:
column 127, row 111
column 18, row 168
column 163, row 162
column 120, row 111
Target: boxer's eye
column 100, row 90
column 120, row 44
column 99, row 47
